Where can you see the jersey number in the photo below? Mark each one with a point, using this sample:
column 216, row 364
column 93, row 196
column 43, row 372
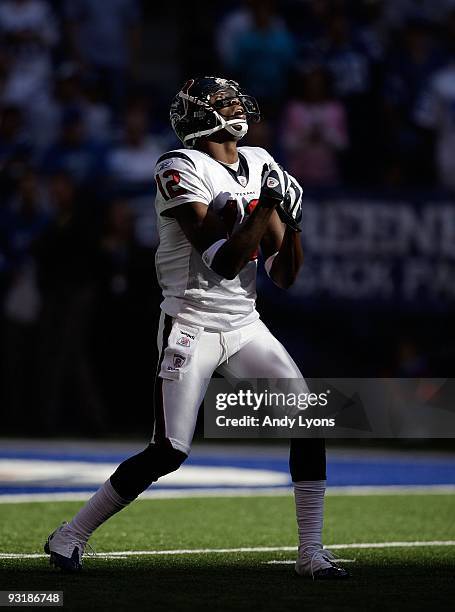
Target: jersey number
column 171, row 188
column 229, row 216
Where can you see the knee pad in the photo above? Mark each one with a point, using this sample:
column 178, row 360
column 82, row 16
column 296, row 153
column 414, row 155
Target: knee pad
column 307, row 459
column 137, row 473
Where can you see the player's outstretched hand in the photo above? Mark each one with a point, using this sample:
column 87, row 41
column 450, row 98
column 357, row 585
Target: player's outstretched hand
column 290, row 208
column 274, row 184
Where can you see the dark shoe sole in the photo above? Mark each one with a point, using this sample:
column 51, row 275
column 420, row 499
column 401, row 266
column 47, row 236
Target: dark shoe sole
column 330, row 573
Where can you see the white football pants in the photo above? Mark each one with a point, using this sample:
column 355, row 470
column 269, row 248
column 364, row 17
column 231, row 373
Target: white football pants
column 190, row 355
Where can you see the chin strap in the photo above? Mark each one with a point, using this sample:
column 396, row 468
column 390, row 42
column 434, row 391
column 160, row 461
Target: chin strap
column 237, row 128
column 229, row 125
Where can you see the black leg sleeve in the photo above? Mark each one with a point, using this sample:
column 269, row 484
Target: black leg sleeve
column 137, row 473
column 307, row 459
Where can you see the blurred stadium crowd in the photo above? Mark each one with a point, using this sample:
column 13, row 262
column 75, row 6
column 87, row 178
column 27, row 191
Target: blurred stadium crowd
column 355, row 94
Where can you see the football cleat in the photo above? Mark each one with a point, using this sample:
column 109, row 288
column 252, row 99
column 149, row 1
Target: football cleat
column 319, row 564
column 65, row 549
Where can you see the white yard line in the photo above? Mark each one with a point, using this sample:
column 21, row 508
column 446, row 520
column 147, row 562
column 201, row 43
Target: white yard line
column 448, row 489
column 292, row 561
column 253, row 549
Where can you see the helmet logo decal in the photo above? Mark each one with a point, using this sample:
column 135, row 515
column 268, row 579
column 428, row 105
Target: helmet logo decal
column 187, row 86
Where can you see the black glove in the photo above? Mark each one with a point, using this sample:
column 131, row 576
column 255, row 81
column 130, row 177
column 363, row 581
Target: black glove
column 274, row 184
column 290, row 208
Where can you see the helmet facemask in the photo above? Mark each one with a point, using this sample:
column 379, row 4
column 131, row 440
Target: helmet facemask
column 237, row 127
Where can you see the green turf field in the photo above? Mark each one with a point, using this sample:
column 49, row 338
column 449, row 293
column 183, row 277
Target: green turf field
column 414, row 578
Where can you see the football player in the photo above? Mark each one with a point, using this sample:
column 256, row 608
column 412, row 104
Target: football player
column 217, row 204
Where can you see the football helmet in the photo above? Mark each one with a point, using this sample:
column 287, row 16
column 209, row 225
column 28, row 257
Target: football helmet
column 194, row 112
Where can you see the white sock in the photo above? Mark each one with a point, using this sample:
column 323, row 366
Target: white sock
column 309, row 505
column 105, row 503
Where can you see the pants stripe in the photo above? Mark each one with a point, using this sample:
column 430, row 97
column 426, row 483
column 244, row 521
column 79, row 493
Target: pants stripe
column 159, row 432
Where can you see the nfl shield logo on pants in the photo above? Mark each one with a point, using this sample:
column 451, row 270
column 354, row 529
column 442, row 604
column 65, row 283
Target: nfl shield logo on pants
column 179, row 360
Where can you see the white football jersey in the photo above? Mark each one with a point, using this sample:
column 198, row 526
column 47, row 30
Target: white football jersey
column 192, row 291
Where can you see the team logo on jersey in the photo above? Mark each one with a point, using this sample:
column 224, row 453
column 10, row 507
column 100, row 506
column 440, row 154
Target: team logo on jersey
column 242, row 180
column 178, row 361
column 165, row 164
column 184, row 341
